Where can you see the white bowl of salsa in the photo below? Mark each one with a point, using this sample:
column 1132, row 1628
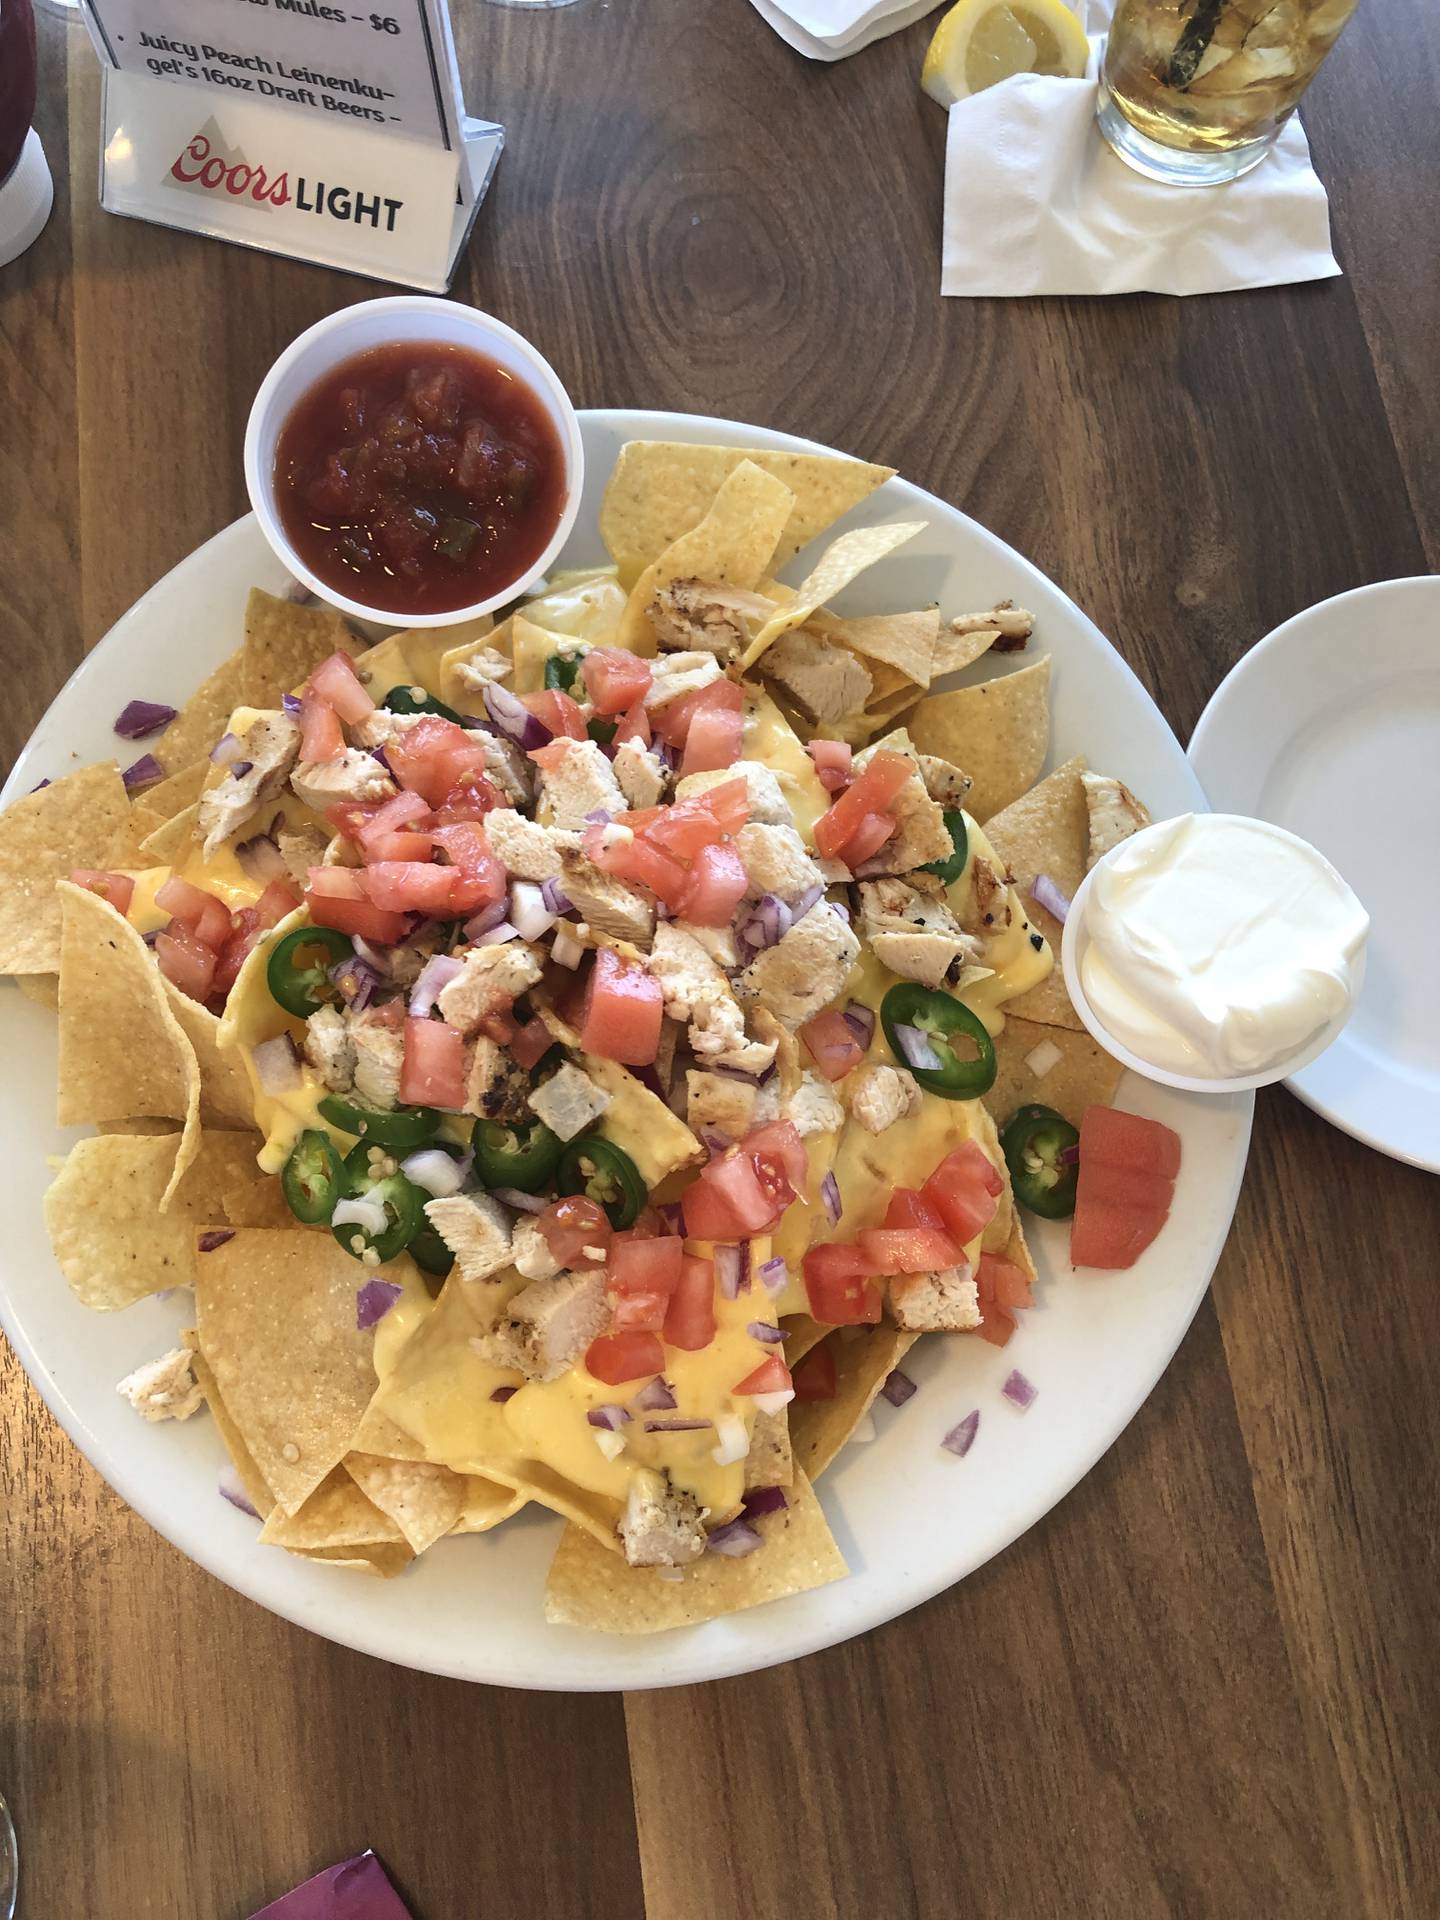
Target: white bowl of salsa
column 414, row 461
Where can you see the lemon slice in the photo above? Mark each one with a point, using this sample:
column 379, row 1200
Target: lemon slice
column 980, row 42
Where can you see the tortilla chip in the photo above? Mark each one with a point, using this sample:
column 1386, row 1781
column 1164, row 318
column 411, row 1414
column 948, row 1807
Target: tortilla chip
column 903, row 641
column 998, row 732
column 42, row 988
column 956, row 651
column 846, row 557
column 174, row 840
column 660, row 489
column 225, row 1096
column 414, row 658
column 734, row 542
column 283, row 642
column 386, row 1561
column 820, row 1428
column 241, row 1458
column 531, row 648
column 485, row 1503
column 1000, row 1224
column 121, row 1048
column 1084, row 1076
column 110, row 1238
column 201, row 720
column 802, row 1334
column 137, row 1123
column 588, row 1587
column 422, row 1500
column 162, row 802
column 771, row 1459
column 337, row 1514
column 1046, row 830
column 378, row 1433
column 451, row 688
column 277, row 1326
column 80, row 821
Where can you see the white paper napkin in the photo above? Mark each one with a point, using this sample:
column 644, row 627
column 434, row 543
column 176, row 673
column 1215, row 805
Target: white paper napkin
column 1035, row 202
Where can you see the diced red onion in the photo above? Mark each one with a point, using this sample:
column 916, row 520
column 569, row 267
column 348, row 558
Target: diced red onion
column 612, row 1445
column 502, row 1394
column 1019, row 1391
column 732, row 1442
column 677, row 1426
column 657, row 1397
column 208, row 1242
column 766, row 1332
column 141, row 773
column 898, row 1388
column 240, row 768
column 775, row 1277
column 374, row 1300
column 141, row 718
column 599, row 817
column 565, row 949
column 277, row 1064
column 379, row 753
column 916, row 1047
column 735, row 1539
column 434, row 1170
column 514, row 719
column 1045, row 893
column 1041, row 1059
column 611, row 1418
column 227, row 748
column 555, row 896
column 495, row 936
column 731, row 1073
column 861, row 1022
column 872, row 869
column 355, row 981
column 832, row 778
column 769, row 921
column 806, row 901
column 673, row 1216
column 492, row 916
column 373, row 956
column 290, row 703
column 727, row 1271
column 232, row 1488
column 262, row 859
column 529, row 914
column 714, row 1141
column 39, row 784
column 762, row 1500
column 361, row 1210
column 830, row 1194
column 521, row 1202
column 1070, row 1156
column 436, row 974
column 773, row 1402
column 960, row 1439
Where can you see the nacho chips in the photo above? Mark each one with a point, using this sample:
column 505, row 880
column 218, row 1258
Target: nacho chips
column 80, row 821
column 998, row 732
column 337, row 1514
column 848, row 556
column 283, row 642
column 1084, row 1076
column 225, row 1096
column 863, row 1363
column 201, row 721
column 257, row 1491
column 904, row 641
column 1046, row 831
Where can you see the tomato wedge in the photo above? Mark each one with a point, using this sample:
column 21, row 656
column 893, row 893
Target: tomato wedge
column 1001, row 1281
column 729, row 1200
column 337, row 684
column 636, row 860
column 617, row 1357
column 908, row 1249
column 320, row 735
column 1128, row 1140
column 432, row 1073
column 713, row 740
column 433, row 756
column 869, row 793
column 771, row 1376
column 336, row 898
column 839, row 1286
column 477, row 878
column 623, row 1011
column 185, row 960
column 1125, row 1189
column 908, row 1208
column 690, row 1318
column 833, row 1043
column 964, row 1190
column 411, row 886
column 640, row 1263
column 633, row 725
column 615, row 680
column 558, row 712
column 716, row 886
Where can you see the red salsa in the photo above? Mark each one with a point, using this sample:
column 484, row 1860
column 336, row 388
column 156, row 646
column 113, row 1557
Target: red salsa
column 419, row 478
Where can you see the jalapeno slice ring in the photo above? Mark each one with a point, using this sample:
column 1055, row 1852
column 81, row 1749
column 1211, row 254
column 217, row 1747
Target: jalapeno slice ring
column 407, row 700
column 313, row 1178
column 605, row 1173
column 942, row 1021
column 519, row 1157
column 403, row 1201
column 949, row 870
column 401, row 1131
column 1040, row 1145
column 561, row 672
column 301, row 989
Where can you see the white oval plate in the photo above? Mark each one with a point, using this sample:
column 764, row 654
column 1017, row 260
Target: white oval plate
column 1331, row 727
column 1095, row 1344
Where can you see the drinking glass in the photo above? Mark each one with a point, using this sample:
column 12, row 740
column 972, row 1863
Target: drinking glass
column 1195, row 92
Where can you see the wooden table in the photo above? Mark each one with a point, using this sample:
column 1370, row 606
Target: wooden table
column 1206, row 1685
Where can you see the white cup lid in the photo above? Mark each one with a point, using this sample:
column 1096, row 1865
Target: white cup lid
column 25, row 200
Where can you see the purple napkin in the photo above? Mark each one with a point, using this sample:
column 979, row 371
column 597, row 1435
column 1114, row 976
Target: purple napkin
column 357, row 1889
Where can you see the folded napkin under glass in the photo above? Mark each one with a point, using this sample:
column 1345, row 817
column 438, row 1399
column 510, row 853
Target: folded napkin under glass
column 1035, row 201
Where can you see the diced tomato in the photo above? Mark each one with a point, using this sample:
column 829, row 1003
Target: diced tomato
column 771, row 1376
column 871, row 792
column 839, row 1286
column 401, row 813
column 336, row 898
column 671, row 722
column 338, row 685
column 615, row 680
column 433, row 756
column 400, row 846
column 833, row 1043
column 186, row 961
column 729, row 1200
column 908, row 1249
column 479, row 880
column 207, row 917
column 471, row 799
column 832, row 762
column 814, row 1375
column 908, row 1208
column 623, row 1012
column 320, row 735
column 278, row 900
column 997, row 1323
column 637, row 861
column 410, row 886
column 713, row 740
column 531, row 1043
column 575, row 1230
column 633, row 725
column 432, row 1073
column 246, row 929
column 642, row 1264
column 499, row 1025
column 1001, row 1281
column 716, row 887
column 779, row 1143
column 117, row 888
column 867, row 840
column 681, row 830
column 639, row 1312
column 964, row 1190
column 1128, row 1140
column 558, row 712
column 690, row 1318
column 617, row 1357
column 729, row 801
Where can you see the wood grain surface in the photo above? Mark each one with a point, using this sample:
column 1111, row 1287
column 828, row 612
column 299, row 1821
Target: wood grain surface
column 1207, row 1684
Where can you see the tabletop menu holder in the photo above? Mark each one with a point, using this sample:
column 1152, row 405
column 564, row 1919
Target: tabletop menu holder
column 296, row 127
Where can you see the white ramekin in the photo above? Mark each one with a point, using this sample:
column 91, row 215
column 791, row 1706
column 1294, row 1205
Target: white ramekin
column 380, row 323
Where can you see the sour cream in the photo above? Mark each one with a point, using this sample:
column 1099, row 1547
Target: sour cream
column 1220, row 947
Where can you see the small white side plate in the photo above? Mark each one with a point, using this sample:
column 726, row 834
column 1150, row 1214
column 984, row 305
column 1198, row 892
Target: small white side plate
column 1331, row 727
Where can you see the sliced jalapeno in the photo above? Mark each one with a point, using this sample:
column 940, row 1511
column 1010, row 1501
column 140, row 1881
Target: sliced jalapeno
column 402, row 1200
column 300, row 984
column 561, row 672
column 430, row 1253
column 417, row 700
column 950, row 870
column 402, row 1131
column 519, row 1157
column 602, row 732
column 948, row 1051
column 603, row 1172
column 1042, row 1152
column 313, row 1178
